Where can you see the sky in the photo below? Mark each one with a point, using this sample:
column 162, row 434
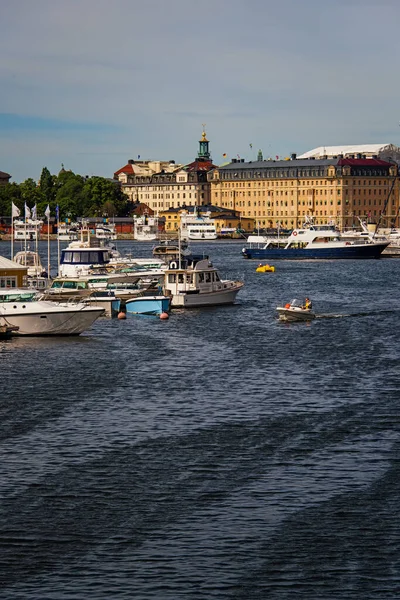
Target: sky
column 92, row 83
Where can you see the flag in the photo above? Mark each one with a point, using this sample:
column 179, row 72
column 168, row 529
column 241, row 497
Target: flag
column 138, row 156
column 224, row 155
column 57, row 212
column 27, row 212
column 277, row 157
column 47, row 212
column 251, row 145
column 15, row 212
column 34, row 213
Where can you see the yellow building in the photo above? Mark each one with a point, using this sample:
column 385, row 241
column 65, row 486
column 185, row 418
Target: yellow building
column 331, row 190
column 12, row 275
column 170, row 186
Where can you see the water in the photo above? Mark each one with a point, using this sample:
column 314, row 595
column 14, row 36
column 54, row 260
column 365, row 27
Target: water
column 219, row 454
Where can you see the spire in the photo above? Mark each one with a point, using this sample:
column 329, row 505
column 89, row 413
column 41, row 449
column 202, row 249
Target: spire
column 204, row 153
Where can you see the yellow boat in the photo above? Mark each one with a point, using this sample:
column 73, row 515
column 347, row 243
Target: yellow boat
column 265, row 269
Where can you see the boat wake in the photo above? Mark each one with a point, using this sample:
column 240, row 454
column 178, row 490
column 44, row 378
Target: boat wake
column 357, row 314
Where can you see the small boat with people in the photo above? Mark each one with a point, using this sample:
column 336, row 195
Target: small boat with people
column 265, row 268
column 145, row 228
column 316, row 242
column 296, row 311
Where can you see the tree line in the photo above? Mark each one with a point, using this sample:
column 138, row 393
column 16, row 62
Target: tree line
column 75, row 196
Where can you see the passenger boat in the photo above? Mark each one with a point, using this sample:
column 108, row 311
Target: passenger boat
column 197, row 226
column 195, row 282
column 145, row 228
column 294, row 311
column 106, row 232
column 67, row 232
column 316, row 242
column 24, row 308
column 28, row 230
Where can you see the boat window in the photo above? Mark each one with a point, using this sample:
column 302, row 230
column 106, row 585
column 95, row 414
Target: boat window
column 208, row 277
column 57, row 284
column 69, row 285
column 201, row 277
column 81, row 285
column 172, row 278
column 217, row 277
column 180, row 278
column 76, row 257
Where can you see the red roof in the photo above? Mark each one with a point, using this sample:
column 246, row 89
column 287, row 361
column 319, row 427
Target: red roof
column 200, row 165
column 127, row 169
column 364, row 162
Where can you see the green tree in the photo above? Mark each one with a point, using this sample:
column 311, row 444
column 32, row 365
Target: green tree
column 69, row 196
column 10, row 193
column 31, row 194
column 47, row 186
column 102, row 197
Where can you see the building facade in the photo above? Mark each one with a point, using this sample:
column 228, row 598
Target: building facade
column 283, row 193
column 173, row 186
column 4, row 178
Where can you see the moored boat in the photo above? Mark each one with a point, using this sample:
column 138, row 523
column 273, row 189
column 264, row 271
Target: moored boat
column 195, row 282
column 148, row 305
column 316, row 242
column 23, row 308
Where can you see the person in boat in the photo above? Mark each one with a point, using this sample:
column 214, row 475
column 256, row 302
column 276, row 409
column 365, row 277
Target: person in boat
column 307, row 304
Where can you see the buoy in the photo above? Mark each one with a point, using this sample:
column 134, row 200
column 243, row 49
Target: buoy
column 121, row 315
column 164, row 315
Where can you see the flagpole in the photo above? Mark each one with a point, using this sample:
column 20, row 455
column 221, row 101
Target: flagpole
column 58, row 240
column 12, row 234
column 48, row 249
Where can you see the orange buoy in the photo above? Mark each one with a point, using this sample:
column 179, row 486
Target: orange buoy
column 121, row 315
column 164, row 315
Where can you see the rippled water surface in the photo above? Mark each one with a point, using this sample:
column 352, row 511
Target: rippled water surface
column 219, row 454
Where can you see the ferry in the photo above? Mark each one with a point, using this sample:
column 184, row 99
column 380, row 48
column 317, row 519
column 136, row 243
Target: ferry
column 67, row 232
column 145, row 228
column 106, row 232
column 315, row 242
column 27, row 231
column 197, row 227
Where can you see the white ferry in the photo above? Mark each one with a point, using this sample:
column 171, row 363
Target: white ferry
column 106, row 232
column 67, row 232
column 145, row 228
column 197, row 227
column 27, row 230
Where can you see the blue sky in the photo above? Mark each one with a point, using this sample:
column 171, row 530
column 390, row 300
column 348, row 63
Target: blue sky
column 92, row 83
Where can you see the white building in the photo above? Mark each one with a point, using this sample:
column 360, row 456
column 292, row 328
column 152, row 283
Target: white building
column 355, row 151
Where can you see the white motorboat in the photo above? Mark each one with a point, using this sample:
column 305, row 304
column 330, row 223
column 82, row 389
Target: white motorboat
column 24, row 309
column 194, row 282
column 295, row 311
column 145, row 228
column 197, row 226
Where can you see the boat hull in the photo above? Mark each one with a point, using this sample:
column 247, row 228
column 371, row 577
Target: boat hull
column 339, row 252
column 295, row 314
column 62, row 321
column 201, row 299
column 148, row 305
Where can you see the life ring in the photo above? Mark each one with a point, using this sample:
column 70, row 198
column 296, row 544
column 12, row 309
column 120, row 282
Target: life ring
column 173, row 265
column 294, row 232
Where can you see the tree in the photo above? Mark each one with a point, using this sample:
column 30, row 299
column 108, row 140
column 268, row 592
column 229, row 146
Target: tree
column 47, row 186
column 69, row 196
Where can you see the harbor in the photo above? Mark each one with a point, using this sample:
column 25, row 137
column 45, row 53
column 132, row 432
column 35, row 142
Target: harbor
column 134, row 464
